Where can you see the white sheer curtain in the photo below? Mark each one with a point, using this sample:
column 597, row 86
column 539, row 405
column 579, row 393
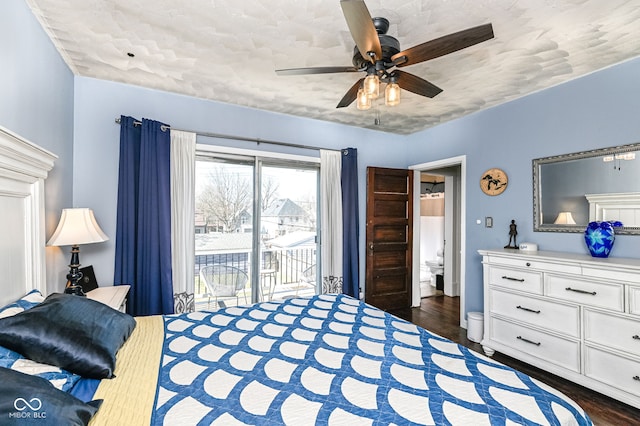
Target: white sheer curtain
column 331, row 220
column 183, row 163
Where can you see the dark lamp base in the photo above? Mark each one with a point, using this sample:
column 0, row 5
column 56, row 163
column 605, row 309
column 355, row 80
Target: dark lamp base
column 74, row 289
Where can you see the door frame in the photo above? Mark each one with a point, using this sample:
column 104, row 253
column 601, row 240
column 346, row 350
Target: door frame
column 460, row 161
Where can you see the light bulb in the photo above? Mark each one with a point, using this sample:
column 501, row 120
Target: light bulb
column 363, row 102
column 392, row 94
column 372, row 86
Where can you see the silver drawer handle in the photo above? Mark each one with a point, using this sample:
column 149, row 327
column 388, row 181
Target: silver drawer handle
column 528, row 341
column 521, row 280
column 593, row 293
column 527, row 309
column 635, row 337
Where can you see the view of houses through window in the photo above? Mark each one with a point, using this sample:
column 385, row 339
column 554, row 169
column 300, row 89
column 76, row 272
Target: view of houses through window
column 254, row 243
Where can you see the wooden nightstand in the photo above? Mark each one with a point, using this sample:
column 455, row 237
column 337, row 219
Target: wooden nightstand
column 114, row 296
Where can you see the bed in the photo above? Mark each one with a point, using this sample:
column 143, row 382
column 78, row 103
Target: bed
column 326, row 359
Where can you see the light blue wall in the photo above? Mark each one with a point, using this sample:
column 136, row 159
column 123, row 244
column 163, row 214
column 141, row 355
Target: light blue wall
column 596, row 111
column 36, row 102
column 96, row 143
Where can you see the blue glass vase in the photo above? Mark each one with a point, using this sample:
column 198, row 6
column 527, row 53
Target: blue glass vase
column 599, row 237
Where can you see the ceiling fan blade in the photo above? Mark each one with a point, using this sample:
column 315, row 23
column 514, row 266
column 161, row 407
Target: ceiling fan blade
column 351, row 95
column 416, row 84
column 316, row 70
column 361, row 27
column 445, row 45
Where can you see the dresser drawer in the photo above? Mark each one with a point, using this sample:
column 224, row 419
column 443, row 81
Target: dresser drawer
column 634, row 300
column 532, row 263
column 540, row 313
column 563, row 352
column 612, row 331
column 529, row 281
column 617, row 371
column 611, row 273
column 592, row 293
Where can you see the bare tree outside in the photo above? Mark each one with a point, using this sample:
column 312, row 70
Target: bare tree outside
column 269, row 192
column 224, row 196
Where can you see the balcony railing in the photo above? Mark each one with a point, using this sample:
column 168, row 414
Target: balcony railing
column 283, row 273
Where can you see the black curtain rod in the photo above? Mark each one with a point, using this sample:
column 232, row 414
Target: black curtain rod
column 237, row 138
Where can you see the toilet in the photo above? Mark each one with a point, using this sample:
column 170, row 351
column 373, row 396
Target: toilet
column 436, row 266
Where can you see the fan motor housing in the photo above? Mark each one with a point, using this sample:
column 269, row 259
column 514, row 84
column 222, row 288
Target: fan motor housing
column 389, row 45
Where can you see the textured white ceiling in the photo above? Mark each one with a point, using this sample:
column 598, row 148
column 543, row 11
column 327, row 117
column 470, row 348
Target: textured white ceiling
column 228, row 50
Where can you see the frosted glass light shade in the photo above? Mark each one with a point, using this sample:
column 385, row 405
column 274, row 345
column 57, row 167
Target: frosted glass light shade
column 77, row 226
column 564, row 218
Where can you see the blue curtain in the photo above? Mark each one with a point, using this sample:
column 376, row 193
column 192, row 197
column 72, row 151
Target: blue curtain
column 143, row 233
column 349, row 182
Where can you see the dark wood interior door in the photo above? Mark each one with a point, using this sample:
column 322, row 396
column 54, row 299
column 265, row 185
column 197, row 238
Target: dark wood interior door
column 389, row 237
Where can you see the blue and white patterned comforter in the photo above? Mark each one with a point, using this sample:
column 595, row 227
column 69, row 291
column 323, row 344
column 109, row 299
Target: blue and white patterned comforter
column 331, row 359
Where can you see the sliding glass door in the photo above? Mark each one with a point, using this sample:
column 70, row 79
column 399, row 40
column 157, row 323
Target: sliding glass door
column 288, row 223
column 255, row 229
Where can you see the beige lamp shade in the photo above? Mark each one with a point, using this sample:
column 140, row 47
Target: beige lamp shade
column 564, row 218
column 77, row 226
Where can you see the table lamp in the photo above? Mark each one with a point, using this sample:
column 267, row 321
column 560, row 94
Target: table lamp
column 77, row 226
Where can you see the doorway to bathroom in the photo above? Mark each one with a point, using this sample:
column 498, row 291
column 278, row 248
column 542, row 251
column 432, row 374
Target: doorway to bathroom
column 439, row 210
column 431, row 236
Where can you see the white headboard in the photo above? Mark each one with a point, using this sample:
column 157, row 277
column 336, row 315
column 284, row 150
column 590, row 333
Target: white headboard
column 23, row 168
column 624, row 207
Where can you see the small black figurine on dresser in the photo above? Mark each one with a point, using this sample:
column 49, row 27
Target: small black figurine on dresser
column 513, row 233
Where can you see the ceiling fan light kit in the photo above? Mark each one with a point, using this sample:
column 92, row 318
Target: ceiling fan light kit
column 379, row 55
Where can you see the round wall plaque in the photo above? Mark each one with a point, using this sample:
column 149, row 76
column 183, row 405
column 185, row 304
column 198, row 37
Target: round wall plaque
column 493, row 181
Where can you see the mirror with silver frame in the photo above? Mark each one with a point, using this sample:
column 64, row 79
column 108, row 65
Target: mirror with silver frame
column 571, row 190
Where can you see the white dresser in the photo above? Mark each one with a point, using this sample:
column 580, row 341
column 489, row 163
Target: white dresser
column 573, row 315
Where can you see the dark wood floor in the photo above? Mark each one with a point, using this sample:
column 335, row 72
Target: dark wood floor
column 441, row 315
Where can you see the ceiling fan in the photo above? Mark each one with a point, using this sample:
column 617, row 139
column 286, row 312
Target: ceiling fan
column 379, row 55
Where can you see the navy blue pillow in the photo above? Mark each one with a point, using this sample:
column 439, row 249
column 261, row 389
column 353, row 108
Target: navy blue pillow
column 26, row 399
column 71, row 332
